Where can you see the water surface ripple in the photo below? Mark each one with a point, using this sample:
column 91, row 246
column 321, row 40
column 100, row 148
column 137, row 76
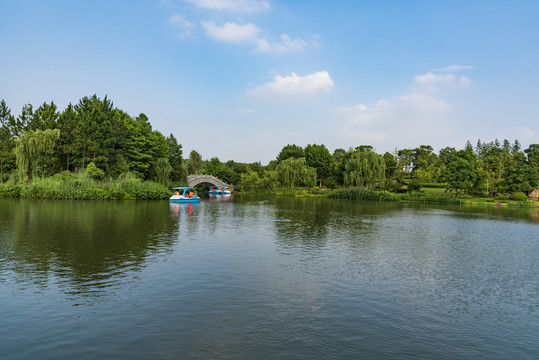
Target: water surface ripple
column 267, row 278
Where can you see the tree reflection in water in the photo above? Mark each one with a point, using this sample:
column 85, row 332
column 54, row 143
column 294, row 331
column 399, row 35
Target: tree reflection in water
column 88, row 245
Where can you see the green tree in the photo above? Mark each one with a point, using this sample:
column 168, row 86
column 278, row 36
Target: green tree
column 28, row 151
column 290, row 151
column 49, row 138
column 364, row 168
column 319, row 158
column 340, row 157
column 362, row 148
column 115, row 144
column 138, row 147
column 6, row 140
column 391, row 164
column 175, row 159
column 23, row 122
column 269, row 180
column 162, row 170
column 45, row 117
column 86, row 111
column 194, row 163
column 462, row 172
column 405, row 160
column 67, row 123
column 250, row 180
column 294, row 172
column 423, row 157
column 216, row 168
column 532, row 153
column 446, row 155
column 94, row 129
column 521, row 177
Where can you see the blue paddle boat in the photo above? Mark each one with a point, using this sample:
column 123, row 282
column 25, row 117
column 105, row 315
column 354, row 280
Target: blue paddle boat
column 225, row 190
column 214, row 190
column 184, row 195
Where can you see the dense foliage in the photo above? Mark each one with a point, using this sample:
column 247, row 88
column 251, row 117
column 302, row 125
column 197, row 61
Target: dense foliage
column 46, row 141
column 116, row 154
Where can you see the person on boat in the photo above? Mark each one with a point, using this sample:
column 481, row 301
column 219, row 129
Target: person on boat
column 191, row 194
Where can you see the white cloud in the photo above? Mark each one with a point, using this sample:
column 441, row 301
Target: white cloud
column 430, row 78
column 431, row 82
column 294, row 85
column 182, row 24
column 236, row 33
column 410, row 107
column 286, row 44
column 239, row 6
column 404, row 120
column 231, row 32
column 454, row 68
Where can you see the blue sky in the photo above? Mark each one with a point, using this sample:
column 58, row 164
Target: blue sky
column 239, row 79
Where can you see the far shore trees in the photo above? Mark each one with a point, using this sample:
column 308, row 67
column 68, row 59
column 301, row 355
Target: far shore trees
column 319, row 158
column 44, row 141
column 294, row 172
column 27, row 152
column 462, row 172
column 6, row 140
column 364, row 168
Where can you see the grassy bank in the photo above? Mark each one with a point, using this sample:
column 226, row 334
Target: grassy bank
column 426, row 195
column 82, row 187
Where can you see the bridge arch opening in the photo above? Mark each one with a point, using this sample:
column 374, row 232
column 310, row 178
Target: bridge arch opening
column 194, row 180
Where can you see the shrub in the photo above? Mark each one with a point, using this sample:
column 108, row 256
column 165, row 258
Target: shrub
column 434, row 185
column 393, row 186
column 519, row 196
column 330, row 183
column 414, row 185
column 64, row 175
column 94, row 172
column 10, row 191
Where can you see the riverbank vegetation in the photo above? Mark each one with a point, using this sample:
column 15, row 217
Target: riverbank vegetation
column 92, row 150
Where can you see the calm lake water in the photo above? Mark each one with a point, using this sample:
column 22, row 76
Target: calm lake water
column 267, row 278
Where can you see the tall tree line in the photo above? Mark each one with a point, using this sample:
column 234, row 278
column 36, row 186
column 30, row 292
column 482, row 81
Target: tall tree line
column 46, row 141
column 50, row 141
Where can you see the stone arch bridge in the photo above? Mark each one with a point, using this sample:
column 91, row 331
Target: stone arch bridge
column 194, row 180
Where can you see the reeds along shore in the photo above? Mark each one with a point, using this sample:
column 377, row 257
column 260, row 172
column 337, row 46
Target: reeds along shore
column 82, row 187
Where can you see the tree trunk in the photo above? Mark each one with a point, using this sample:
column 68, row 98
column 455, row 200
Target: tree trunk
column 83, row 155
column 50, row 165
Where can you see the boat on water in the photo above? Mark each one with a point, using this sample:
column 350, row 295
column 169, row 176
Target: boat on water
column 184, row 195
column 214, row 190
column 225, row 190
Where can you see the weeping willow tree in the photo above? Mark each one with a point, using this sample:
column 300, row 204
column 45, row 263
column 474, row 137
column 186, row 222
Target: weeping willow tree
column 294, row 171
column 27, row 152
column 364, row 168
column 161, row 171
column 249, row 180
